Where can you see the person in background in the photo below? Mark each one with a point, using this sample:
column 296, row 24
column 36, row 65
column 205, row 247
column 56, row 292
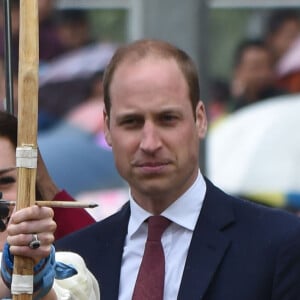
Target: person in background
column 179, row 236
column 282, row 38
column 71, row 21
column 219, row 99
column 288, row 69
column 50, row 44
column 84, row 161
column 68, row 220
column 282, row 29
column 253, row 76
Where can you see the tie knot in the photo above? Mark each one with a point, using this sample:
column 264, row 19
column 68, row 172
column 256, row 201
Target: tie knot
column 156, row 227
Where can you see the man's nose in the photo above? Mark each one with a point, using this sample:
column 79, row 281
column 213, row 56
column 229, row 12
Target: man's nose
column 150, row 139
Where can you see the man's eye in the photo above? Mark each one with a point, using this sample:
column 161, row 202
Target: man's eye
column 169, row 118
column 131, row 122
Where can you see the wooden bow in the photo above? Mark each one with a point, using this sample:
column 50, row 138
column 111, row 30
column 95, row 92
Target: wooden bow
column 27, row 123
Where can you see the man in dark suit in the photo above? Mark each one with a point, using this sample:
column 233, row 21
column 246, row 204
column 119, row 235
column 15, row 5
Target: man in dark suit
column 217, row 247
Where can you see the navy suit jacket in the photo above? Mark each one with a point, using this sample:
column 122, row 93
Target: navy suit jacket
column 239, row 251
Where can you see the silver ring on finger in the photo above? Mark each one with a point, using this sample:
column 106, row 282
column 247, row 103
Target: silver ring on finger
column 35, row 243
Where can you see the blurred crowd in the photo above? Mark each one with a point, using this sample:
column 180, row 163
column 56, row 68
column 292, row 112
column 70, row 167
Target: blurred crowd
column 252, row 150
column 262, row 67
column 71, row 65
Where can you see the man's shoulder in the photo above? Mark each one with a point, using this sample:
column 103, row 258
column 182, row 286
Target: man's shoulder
column 268, row 217
column 268, row 225
column 256, row 217
column 105, row 229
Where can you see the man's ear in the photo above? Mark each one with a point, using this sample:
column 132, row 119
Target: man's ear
column 201, row 120
column 106, row 128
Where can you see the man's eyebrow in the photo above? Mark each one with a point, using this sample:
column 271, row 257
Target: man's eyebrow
column 3, row 171
column 126, row 115
column 169, row 110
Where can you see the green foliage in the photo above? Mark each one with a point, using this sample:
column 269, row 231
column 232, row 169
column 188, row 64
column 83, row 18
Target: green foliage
column 227, row 28
column 109, row 24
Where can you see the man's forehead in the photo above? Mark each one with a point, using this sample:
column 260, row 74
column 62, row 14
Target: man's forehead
column 140, row 59
column 133, row 68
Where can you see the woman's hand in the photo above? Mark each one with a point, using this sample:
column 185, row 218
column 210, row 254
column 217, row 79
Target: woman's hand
column 28, row 223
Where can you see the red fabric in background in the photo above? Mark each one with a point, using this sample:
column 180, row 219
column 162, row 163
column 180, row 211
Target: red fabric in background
column 290, row 82
column 69, row 219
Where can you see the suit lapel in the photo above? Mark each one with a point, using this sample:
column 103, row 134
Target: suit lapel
column 111, row 256
column 208, row 246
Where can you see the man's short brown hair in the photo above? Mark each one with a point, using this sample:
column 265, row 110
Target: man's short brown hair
column 160, row 49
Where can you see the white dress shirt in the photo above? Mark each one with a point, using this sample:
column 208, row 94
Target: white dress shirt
column 183, row 213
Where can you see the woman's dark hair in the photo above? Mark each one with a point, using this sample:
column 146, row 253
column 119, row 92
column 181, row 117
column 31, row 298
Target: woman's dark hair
column 9, row 127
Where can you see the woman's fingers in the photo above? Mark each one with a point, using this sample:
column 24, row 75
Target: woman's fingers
column 31, row 232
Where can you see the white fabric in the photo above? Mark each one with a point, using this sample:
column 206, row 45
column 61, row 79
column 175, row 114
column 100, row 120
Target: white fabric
column 256, row 149
column 79, row 63
column 176, row 239
column 290, row 61
column 82, row 286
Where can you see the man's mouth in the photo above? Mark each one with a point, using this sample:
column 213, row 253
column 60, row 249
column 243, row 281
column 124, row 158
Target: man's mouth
column 152, row 166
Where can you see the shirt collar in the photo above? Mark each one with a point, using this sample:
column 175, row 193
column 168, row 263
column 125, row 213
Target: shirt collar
column 184, row 211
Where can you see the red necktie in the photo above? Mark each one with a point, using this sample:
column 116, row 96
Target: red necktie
column 150, row 280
